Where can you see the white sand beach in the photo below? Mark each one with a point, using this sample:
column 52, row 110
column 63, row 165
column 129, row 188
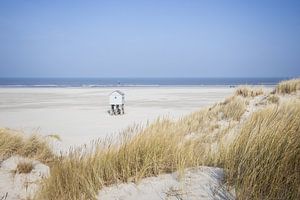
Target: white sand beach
column 79, row 115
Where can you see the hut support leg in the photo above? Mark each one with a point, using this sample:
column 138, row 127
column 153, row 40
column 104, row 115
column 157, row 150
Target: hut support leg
column 113, row 110
column 118, row 110
column 123, row 109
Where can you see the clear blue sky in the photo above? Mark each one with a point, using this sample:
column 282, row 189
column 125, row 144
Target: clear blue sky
column 149, row 38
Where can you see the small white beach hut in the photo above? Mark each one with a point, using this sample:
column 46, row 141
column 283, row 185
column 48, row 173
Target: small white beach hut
column 116, row 101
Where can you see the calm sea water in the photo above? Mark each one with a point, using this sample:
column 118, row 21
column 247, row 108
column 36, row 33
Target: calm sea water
column 134, row 82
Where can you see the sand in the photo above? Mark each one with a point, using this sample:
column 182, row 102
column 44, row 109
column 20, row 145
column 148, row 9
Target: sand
column 79, row 115
column 16, row 186
column 203, row 183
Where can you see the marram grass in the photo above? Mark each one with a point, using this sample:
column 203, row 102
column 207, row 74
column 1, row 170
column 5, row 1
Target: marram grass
column 24, row 167
column 264, row 160
column 288, row 87
column 152, row 151
column 247, row 91
column 36, row 147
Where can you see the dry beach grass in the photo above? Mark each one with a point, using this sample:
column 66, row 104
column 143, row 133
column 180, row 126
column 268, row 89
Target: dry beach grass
column 13, row 143
column 24, row 167
column 152, row 151
column 261, row 161
column 288, row 87
column 247, row 91
column 273, row 99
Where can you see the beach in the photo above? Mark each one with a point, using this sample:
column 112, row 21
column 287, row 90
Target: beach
column 79, row 115
column 182, row 158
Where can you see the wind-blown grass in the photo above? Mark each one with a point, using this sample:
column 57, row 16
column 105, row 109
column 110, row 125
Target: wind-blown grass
column 273, row 99
column 24, row 167
column 263, row 162
column 233, row 108
column 288, row 87
column 12, row 143
column 246, row 91
column 152, row 151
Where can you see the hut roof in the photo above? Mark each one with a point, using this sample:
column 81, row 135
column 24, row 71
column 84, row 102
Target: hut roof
column 118, row 91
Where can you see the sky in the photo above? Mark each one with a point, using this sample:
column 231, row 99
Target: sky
column 149, row 38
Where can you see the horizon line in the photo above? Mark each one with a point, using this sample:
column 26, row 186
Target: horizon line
column 150, row 77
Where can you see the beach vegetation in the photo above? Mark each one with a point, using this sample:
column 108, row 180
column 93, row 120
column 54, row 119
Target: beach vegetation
column 24, row 167
column 273, row 98
column 233, row 108
column 247, row 91
column 263, row 161
column 55, row 136
column 34, row 146
column 288, row 86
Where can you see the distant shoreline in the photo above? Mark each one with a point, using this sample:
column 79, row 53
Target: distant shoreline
column 133, row 82
column 131, row 86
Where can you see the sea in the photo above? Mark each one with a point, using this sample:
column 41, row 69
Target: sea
column 135, row 82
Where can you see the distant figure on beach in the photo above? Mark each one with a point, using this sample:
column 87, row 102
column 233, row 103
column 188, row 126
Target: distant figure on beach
column 116, row 101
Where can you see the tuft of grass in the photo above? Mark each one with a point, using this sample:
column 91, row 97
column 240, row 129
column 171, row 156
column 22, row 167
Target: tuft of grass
column 273, row 99
column 24, row 167
column 246, row 91
column 12, row 143
column 233, row 107
column 54, row 136
column 263, row 161
column 288, row 87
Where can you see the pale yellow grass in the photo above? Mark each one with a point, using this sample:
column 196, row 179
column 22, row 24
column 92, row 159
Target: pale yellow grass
column 152, row 151
column 247, row 91
column 12, row 143
column 273, row 98
column 263, row 161
column 24, row 167
column 233, row 107
column 288, row 87
column 54, row 136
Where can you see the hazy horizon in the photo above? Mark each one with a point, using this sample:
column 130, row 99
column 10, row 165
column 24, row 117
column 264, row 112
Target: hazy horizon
column 136, row 82
column 146, row 77
column 94, row 39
